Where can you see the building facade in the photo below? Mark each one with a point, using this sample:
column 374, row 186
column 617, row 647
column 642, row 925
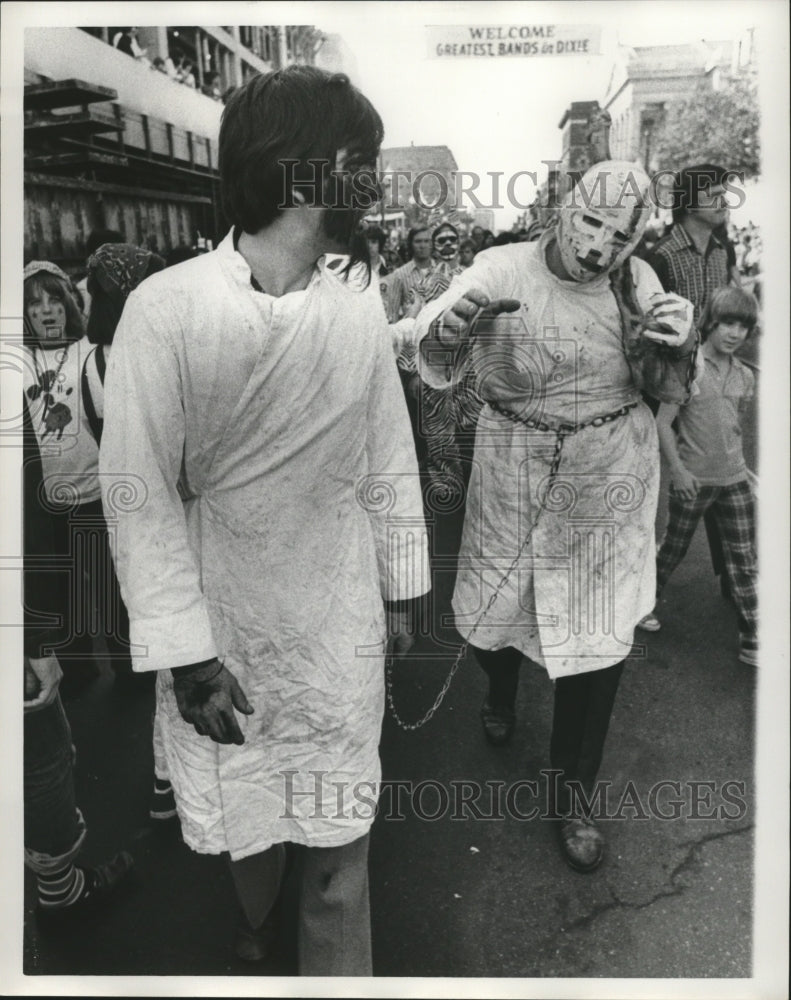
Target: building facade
column 114, row 138
column 645, row 80
column 419, row 186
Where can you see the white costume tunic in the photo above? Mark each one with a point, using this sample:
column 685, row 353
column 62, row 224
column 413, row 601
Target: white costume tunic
column 282, row 420
column 588, row 574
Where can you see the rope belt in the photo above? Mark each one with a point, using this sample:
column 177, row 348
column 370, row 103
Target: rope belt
column 562, row 429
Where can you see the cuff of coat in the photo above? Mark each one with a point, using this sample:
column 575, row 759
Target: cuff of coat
column 685, row 350
column 172, row 641
column 435, row 363
column 406, row 606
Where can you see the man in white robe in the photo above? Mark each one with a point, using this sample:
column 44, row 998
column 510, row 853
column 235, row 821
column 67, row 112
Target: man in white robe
column 557, row 555
column 263, row 495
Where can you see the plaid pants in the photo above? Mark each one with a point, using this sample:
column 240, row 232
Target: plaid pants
column 733, row 508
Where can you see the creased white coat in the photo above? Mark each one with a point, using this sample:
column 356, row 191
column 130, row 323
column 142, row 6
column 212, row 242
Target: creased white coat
column 587, row 576
column 283, row 422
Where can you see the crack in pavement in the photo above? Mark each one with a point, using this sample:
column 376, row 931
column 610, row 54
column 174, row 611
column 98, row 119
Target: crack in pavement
column 693, row 847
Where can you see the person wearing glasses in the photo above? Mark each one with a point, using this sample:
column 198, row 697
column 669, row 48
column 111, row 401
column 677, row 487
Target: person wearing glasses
column 692, row 260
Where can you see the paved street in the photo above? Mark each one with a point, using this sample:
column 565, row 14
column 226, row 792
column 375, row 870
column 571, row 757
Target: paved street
column 464, row 896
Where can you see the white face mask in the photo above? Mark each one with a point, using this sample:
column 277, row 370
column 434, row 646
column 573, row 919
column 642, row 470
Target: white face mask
column 602, row 222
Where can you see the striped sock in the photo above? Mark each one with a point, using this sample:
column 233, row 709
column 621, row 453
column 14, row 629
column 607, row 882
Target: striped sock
column 61, row 888
column 163, row 802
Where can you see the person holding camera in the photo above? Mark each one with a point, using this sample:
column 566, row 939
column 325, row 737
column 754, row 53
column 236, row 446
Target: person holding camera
column 557, row 561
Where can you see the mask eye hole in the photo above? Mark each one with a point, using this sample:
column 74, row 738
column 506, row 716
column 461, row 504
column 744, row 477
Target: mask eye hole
column 589, row 220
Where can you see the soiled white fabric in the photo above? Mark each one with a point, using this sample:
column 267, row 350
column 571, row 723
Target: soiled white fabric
column 588, row 574
column 284, row 422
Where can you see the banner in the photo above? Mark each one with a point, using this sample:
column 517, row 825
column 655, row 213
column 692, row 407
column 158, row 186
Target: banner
column 480, row 41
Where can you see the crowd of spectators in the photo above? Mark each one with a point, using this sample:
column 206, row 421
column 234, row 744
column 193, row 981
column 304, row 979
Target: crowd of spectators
column 183, row 71
column 743, row 245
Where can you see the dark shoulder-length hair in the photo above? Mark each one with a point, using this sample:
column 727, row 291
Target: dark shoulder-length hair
column 56, row 288
column 376, row 233
column 277, row 123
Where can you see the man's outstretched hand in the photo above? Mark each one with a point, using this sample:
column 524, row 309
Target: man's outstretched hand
column 207, row 696
column 457, row 322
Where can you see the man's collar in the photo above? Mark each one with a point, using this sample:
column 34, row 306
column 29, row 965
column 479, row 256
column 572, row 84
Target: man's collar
column 235, row 235
column 237, row 232
column 687, row 239
column 713, row 358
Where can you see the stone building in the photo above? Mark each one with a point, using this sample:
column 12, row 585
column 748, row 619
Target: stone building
column 645, row 80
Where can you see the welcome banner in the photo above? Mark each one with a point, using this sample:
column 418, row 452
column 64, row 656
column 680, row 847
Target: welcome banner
column 481, row 41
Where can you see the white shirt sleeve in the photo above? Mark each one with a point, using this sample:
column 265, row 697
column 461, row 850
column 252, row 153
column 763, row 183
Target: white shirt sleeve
column 490, row 273
column 140, row 462
column 391, row 492
column 403, row 335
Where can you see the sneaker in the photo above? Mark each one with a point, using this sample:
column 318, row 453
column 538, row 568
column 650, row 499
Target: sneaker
column 649, row 623
column 163, row 801
column 100, row 883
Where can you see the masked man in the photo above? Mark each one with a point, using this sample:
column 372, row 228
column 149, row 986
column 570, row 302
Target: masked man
column 254, row 421
column 557, row 554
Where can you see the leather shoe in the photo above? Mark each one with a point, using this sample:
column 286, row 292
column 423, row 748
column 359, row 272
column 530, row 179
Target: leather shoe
column 254, row 944
column 581, row 843
column 498, row 724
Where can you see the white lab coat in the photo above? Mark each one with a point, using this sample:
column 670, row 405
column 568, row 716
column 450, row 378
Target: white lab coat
column 587, row 576
column 284, row 423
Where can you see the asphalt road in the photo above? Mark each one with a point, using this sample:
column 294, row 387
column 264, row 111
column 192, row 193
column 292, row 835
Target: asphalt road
column 455, row 895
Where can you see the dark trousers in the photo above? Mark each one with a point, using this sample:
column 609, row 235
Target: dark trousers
column 92, row 608
column 580, row 719
column 413, row 406
column 54, row 827
column 334, row 932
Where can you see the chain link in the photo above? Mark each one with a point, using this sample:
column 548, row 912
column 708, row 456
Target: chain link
column 561, row 433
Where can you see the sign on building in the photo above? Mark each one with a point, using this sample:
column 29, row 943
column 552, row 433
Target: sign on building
column 481, row 41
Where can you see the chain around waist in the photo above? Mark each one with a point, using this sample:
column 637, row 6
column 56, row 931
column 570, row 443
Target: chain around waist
column 557, row 427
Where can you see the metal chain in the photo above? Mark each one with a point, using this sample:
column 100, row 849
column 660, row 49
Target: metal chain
column 411, row 726
column 561, row 432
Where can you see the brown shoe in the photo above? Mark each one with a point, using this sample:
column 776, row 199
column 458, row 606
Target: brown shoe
column 498, row 724
column 581, row 843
